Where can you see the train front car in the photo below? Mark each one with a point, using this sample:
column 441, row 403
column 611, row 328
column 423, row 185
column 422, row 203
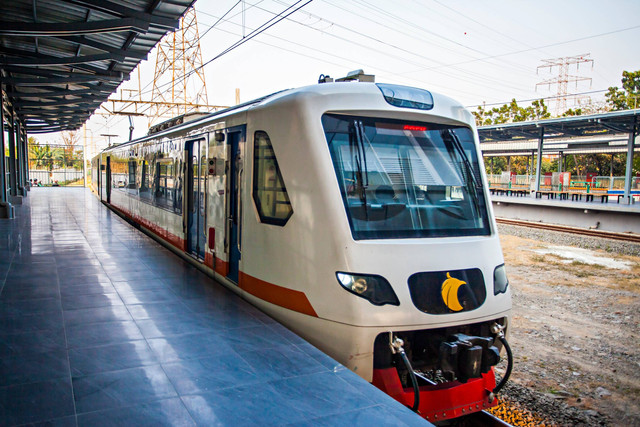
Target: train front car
column 392, row 240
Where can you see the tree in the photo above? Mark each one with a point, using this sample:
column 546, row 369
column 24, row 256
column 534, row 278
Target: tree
column 629, row 96
column 41, row 156
column 499, row 165
column 511, row 112
column 572, row 112
column 69, row 140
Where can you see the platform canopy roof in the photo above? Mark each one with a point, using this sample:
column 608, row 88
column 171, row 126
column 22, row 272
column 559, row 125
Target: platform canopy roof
column 60, row 59
column 604, row 133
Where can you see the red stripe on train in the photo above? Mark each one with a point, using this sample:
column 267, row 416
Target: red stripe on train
column 278, row 295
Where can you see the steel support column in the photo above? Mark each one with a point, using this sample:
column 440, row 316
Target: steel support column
column 25, row 147
column 560, row 157
column 20, row 160
column 3, row 172
column 13, row 184
column 6, row 210
column 531, row 170
column 627, row 176
column 611, row 173
column 539, row 159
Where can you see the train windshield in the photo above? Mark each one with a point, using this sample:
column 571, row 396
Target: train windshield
column 402, row 179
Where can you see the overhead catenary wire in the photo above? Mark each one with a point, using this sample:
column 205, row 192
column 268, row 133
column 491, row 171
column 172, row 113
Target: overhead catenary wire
column 131, row 96
column 421, row 28
column 471, row 77
column 535, row 48
column 397, row 74
column 534, row 99
column 270, row 23
column 395, row 29
column 374, row 67
column 501, row 83
column 260, row 29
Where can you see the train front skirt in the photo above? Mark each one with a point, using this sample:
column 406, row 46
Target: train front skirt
column 444, row 401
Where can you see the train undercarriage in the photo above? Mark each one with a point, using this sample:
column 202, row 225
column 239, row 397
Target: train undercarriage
column 442, row 373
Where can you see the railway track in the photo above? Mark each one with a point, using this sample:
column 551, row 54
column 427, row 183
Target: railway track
column 627, row 237
column 506, row 414
column 482, row 419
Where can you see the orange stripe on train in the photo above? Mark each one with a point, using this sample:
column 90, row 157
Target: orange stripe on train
column 278, row 295
column 283, row 297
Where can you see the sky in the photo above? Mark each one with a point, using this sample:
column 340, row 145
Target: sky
column 475, row 51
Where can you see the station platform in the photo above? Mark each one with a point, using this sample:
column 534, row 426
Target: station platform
column 101, row 325
column 608, row 216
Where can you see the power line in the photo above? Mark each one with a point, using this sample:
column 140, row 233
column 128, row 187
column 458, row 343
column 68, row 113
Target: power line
column 535, row 99
column 270, row 23
column 413, row 36
column 262, row 28
column 472, row 76
column 528, row 50
column 375, row 68
column 220, row 19
column 140, row 92
column 384, row 13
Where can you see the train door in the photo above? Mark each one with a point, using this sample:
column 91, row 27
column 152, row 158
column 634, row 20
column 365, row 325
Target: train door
column 107, row 184
column 99, row 178
column 235, row 138
column 196, row 179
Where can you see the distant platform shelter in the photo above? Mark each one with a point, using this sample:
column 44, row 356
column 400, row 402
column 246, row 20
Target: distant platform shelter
column 610, row 133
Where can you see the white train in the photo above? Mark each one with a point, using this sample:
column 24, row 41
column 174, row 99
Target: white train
column 357, row 214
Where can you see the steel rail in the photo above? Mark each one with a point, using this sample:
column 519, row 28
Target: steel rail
column 627, row 237
column 481, row 419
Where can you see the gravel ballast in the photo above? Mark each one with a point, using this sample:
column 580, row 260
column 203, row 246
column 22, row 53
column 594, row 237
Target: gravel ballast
column 574, row 328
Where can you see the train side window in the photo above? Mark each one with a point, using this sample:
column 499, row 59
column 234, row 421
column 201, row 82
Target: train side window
column 164, row 185
column 132, row 174
column 269, row 191
column 119, row 172
column 145, row 190
column 176, row 186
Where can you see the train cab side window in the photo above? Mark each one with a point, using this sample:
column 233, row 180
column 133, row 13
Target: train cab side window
column 269, row 192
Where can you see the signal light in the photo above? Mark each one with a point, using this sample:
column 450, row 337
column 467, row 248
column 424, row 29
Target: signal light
column 415, row 128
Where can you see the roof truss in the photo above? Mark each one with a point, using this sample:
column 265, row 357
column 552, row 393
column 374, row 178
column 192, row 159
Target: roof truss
column 56, row 71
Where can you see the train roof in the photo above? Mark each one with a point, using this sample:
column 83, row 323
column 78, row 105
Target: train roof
column 336, row 93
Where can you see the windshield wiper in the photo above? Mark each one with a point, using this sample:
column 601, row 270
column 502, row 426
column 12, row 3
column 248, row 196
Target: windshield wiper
column 450, row 137
column 356, row 141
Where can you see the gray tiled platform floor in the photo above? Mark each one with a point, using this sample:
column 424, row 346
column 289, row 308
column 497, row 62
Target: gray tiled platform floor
column 100, row 325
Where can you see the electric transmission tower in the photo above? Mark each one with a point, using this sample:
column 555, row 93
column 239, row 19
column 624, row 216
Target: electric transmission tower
column 178, row 81
column 564, row 78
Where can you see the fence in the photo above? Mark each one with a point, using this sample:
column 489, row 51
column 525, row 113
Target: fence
column 505, row 179
column 616, row 182
column 605, row 182
column 60, row 176
column 55, row 165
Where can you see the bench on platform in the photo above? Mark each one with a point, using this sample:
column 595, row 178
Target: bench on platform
column 551, row 194
column 602, row 193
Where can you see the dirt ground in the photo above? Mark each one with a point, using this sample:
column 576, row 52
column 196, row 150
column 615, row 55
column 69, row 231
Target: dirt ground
column 575, row 328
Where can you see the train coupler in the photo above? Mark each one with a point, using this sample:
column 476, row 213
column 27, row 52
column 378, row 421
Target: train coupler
column 463, row 357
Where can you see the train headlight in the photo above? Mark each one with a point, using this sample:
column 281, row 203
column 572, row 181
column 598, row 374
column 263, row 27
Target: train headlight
column 375, row 289
column 500, row 281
